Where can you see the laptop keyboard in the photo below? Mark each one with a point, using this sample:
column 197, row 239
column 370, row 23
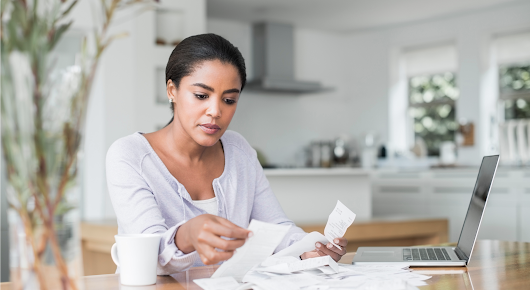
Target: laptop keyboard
column 425, row 254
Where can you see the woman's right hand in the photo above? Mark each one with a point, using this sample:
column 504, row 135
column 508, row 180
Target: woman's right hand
column 203, row 234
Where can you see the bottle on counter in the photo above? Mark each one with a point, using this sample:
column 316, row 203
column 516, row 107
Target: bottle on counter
column 369, row 153
column 315, row 153
column 325, row 154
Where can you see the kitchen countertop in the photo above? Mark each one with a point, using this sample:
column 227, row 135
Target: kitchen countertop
column 353, row 171
column 316, row 171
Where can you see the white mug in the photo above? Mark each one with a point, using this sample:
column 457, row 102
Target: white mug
column 137, row 257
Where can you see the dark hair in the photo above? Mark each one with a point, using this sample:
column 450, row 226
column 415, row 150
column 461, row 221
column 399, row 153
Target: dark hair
column 196, row 49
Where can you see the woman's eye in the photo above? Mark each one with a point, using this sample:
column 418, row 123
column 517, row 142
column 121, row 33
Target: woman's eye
column 230, row 101
column 201, row 97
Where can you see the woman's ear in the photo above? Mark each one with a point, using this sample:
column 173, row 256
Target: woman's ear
column 171, row 90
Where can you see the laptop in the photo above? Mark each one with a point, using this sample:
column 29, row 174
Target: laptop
column 441, row 256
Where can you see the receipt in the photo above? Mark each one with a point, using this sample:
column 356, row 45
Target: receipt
column 257, row 248
column 223, row 283
column 338, row 222
column 287, row 282
column 304, row 245
column 312, row 263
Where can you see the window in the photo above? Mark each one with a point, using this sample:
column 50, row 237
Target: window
column 422, row 96
column 513, row 58
column 432, row 108
column 514, row 83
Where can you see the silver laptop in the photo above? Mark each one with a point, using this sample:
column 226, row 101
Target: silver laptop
column 441, row 256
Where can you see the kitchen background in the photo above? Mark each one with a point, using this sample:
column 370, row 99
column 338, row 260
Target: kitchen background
column 391, row 71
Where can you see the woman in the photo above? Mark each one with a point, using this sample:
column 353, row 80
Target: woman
column 193, row 181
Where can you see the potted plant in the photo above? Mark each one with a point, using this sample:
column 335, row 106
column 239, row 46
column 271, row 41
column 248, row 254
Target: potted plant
column 43, row 113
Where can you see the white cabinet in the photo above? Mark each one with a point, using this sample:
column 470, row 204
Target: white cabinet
column 308, row 196
column 446, row 193
column 399, row 194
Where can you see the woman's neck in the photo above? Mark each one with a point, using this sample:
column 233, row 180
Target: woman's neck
column 180, row 143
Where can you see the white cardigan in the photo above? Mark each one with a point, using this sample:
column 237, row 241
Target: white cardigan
column 148, row 199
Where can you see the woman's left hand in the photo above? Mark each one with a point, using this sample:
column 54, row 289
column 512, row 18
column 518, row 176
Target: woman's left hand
column 327, row 250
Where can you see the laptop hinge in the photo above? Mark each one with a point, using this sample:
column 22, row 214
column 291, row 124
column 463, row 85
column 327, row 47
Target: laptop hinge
column 460, row 254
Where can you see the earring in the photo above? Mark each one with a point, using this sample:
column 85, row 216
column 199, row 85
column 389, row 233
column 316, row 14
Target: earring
column 171, row 100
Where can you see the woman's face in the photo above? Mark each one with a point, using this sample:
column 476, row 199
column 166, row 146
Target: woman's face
column 206, row 101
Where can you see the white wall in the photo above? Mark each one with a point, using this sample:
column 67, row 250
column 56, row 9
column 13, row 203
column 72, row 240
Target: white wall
column 358, row 65
column 280, row 124
column 122, row 100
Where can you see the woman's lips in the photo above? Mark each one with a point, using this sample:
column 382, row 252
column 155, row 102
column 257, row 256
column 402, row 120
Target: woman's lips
column 209, row 128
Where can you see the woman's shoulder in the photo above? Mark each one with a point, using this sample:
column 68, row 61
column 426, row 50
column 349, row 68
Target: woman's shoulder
column 128, row 147
column 232, row 138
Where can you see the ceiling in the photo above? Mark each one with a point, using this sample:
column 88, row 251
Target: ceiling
column 346, row 15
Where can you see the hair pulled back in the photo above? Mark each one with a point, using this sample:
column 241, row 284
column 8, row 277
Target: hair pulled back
column 194, row 50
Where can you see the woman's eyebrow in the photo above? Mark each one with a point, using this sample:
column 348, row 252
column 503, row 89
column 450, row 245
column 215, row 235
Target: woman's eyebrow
column 204, row 86
column 231, row 91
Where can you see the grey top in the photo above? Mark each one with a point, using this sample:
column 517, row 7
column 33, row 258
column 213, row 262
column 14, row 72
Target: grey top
column 148, row 199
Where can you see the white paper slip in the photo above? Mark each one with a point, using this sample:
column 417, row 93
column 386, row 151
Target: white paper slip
column 326, row 270
column 257, row 248
column 246, row 286
column 338, row 222
column 287, row 268
column 272, row 260
column 223, row 283
column 304, row 245
column 288, row 282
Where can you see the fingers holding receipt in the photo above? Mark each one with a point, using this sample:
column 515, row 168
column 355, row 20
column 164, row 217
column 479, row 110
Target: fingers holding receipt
column 338, row 222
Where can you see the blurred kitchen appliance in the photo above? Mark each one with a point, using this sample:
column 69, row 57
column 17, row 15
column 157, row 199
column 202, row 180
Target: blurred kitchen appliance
column 315, row 153
column 325, row 154
column 340, row 151
column 273, row 61
column 369, row 151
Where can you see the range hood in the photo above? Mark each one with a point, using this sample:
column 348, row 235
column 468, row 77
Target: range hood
column 273, row 61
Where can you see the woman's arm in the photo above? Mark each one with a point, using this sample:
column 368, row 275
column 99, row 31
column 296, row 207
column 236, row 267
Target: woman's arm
column 137, row 211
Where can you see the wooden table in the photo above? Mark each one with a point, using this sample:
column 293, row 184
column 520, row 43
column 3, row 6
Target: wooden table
column 97, row 237
column 494, row 265
column 387, row 232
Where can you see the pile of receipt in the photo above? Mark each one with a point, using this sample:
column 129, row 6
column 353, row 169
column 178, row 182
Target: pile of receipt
column 320, row 273
column 253, row 267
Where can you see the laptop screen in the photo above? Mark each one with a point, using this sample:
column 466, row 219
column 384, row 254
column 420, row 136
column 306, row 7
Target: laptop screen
column 477, row 204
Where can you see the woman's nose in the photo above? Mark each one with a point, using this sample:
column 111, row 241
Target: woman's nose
column 214, row 109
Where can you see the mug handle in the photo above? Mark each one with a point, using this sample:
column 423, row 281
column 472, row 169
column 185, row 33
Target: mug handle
column 114, row 254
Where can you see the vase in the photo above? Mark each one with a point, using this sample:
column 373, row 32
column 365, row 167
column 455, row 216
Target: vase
column 40, row 141
column 43, row 259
